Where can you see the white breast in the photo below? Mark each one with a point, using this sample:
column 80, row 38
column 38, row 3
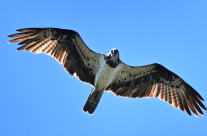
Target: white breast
column 104, row 75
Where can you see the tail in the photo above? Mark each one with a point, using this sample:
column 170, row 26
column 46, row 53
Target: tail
column 92, row 102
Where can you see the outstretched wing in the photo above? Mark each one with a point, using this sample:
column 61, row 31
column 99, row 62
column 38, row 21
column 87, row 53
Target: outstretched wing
column 155, row 80
column 66, row 46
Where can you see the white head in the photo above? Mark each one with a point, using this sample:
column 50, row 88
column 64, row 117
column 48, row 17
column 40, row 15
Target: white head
column 112, row 59
column 114, row 54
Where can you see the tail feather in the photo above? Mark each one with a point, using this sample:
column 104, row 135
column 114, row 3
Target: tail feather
column 92, row 102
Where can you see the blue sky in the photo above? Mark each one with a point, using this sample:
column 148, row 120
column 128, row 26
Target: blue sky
column 38, row 98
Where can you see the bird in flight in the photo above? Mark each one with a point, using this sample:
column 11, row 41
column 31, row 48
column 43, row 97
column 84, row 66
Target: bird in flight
column 107, row 71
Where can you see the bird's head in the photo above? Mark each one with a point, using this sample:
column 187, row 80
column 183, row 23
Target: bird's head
column 112, row 58
column 114, row 55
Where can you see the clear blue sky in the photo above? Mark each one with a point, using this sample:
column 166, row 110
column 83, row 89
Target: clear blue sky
column 38, row 98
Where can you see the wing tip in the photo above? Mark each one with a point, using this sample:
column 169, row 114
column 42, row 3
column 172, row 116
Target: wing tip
column 26, row 29
column 201, row 98
column 10, row 35
column 202, row 114
column 19, row 49
column 12, row 41
column 203, row 107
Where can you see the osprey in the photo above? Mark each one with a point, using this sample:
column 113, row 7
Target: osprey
column 107, row 71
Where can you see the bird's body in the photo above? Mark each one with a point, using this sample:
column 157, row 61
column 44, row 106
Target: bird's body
column 107, row 71
column 104, row 76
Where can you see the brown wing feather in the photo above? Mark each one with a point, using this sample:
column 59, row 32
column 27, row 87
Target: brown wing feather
column 155, row 80
column 66, row 46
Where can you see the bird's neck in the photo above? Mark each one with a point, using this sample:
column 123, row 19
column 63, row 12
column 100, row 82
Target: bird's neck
column 112, row 62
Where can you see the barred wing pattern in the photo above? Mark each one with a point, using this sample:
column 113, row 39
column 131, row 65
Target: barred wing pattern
column 155, row 80
column 66, row 46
